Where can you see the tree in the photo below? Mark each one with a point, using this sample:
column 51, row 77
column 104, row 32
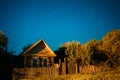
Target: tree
column 91, row 54
column 83, row 58
column 91, row 48
column 6, row 58
column 71, row 50
column 3, row 40
column 111, row 46
column 3, row 43
column 60, row 54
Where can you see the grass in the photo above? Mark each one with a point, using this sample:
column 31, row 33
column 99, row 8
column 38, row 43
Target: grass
column 113, row 75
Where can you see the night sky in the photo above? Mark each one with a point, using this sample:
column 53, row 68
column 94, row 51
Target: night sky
column 57, row 21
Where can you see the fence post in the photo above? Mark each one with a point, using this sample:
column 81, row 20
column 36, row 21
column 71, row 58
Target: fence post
column 60, row 68
column 76, row 68
column 64, row 67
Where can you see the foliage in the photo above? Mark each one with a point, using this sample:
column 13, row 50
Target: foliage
column 3, row 40
column 60, row 54
column 71, row 50
column 94, row 52
column 3, row 44
column 111, row 46
column 97, row 56
column 84, row 57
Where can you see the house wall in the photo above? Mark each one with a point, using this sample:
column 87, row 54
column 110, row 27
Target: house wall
column 30, row 61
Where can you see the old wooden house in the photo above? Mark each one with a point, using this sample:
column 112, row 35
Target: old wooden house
column 38, row 55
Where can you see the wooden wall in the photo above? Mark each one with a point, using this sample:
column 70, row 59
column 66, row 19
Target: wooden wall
column 20, row 73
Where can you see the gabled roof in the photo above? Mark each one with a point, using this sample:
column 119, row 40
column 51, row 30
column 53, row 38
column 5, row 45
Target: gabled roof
column 40, row 49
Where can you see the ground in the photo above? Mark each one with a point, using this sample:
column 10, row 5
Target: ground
column 112, row 75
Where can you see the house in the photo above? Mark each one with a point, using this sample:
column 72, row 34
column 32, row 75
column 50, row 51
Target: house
column 38, row 55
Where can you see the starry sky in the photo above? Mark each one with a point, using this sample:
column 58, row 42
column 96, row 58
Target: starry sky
column 57, row 21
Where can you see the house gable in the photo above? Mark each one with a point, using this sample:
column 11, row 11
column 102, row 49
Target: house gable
column 40, row 49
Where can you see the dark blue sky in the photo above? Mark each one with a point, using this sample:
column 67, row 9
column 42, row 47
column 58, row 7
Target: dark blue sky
column 57, row 21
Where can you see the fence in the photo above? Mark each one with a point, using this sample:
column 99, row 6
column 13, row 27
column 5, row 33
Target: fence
column 72, row 68
column 35, row 72
column 61, row 69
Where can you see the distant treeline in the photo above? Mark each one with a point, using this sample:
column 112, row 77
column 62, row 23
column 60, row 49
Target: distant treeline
column 104, row 52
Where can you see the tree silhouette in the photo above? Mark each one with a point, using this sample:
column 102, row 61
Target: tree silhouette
column 6, row 59
column 60, row 54
column 3, row 43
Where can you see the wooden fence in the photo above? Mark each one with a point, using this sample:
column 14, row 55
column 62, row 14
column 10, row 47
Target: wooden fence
column 35, row 72
column 72, row 68
column 61, row 68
